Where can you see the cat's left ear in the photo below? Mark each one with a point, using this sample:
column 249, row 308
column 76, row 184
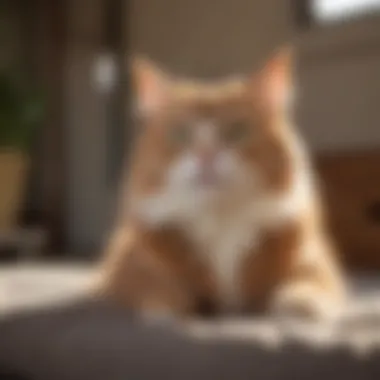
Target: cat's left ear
column 151, row 87
column 274, row 83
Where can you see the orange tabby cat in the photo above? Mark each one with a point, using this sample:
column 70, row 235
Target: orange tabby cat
column 221, row 212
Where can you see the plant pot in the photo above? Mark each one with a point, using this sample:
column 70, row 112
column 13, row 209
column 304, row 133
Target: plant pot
column 13, row 175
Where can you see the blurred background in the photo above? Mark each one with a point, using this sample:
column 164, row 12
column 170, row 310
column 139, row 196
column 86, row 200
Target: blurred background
column 65, row 128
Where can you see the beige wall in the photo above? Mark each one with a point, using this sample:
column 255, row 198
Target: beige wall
column 340, row 86
column 198, row 37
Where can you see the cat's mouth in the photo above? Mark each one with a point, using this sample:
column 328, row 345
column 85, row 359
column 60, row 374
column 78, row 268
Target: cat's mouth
column 209, row 180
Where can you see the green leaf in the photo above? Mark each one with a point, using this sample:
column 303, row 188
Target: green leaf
column 21, row 112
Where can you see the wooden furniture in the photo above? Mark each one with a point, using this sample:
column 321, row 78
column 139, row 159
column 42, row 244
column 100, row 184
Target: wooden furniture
column 351, row 183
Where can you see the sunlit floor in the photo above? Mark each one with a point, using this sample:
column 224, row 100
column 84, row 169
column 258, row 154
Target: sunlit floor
column 30, row 285
column 33, row 284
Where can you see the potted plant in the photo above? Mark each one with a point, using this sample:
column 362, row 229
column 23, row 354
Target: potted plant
column 21, row 112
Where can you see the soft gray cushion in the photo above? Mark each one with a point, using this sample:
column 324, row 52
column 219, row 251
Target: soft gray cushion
column 90, row 339
column 95, row 341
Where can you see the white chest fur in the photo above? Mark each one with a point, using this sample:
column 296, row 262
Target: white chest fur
column 225, row 238
column 223, row 242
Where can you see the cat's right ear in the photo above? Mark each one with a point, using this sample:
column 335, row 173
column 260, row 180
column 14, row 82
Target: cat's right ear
column 151, row 87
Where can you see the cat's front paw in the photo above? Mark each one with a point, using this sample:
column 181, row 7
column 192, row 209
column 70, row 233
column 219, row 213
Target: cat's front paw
column 306, row 303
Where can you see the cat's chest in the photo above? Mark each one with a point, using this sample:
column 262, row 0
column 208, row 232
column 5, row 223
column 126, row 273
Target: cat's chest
column 223, row 242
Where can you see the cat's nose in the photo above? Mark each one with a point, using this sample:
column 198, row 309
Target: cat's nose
column 208, row 174
column 208, row 157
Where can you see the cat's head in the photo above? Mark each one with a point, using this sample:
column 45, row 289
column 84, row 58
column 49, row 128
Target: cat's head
column 221, row 138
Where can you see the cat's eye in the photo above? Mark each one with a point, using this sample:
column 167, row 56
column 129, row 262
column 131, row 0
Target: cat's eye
column 180, row 134
column 236, row 133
